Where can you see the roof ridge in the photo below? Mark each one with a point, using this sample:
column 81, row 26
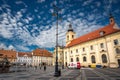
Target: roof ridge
column 93, row 35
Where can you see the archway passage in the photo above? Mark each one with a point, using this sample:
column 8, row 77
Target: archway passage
column 119, row 62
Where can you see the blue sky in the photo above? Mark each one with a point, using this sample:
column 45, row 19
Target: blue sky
column 28, row 24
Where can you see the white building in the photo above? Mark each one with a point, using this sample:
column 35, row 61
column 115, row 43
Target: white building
column 41, row 56
column 24, row 58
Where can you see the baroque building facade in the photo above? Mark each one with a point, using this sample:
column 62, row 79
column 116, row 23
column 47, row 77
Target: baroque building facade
column 24, row 58
column 99, row 47
column 60, row 55
column 34, row 58
column 41, row 57
column 9, row 54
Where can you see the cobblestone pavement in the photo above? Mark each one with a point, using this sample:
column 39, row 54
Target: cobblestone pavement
column 100, row 74
column 66, row 74
column 39, row 74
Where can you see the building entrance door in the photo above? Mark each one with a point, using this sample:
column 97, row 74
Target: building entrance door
column 119, row 62
column 65, row 63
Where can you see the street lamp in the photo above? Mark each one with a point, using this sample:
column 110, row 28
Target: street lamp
column 102, row 33
column 56, row 14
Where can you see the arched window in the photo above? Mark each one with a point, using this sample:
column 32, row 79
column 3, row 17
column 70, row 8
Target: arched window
column 84, row 59
column 77, row 59
column 67, row 37
column 93, row 59
column 72, row 36
column 104, row 58
column 71, row 59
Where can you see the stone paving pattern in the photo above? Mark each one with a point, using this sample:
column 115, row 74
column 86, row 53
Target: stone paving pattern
column 66, row 74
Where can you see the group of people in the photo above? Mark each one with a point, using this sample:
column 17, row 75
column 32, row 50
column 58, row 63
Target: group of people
column 44, row 66
column 40, row 66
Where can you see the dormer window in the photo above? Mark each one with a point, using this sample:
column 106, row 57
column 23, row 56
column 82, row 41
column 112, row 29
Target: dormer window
column 116, row 42
column 102, row 33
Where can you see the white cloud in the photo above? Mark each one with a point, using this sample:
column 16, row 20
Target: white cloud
column 5, row 6
column 81, row 14
column 21, row 2
column 40, row 1
column 5, row 27
column 26, row 21
column 30, row 18
column 21, row 47
column 11, row 47
column 18, row 2
column 19, row 15
column 91, row 17
column 2, row 46
column 74, row 11
column 46, row 38
column 87, row 2
column 20, row 24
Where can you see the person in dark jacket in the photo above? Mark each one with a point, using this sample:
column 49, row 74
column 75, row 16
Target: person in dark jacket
column 44, row 67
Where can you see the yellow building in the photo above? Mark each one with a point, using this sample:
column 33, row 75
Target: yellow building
column 60, row 56
column 99, row 47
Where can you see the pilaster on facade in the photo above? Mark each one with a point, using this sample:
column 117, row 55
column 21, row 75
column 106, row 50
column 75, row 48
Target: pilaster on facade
column 100, row 47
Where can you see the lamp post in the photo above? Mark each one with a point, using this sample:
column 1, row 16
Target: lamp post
column 56, row 14
column 102, row 33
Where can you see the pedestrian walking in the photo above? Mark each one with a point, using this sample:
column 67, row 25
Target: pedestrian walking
column 62, row 66
column 44, row 67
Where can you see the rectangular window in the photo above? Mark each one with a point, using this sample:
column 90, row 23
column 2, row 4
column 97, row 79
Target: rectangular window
column 101, row 45
column 91, row 47
column 116, row 42
column 83, row 49
column 76, row 50
column 71, row 52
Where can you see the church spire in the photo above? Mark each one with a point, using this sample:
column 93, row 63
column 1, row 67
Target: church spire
column 111, row 18
column 70, row 28
column 70, row 35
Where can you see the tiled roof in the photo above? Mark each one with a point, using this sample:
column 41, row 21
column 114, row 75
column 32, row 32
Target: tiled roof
column 22, row 54
column 41, row 52
column 8, row 53
column 109, row 29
